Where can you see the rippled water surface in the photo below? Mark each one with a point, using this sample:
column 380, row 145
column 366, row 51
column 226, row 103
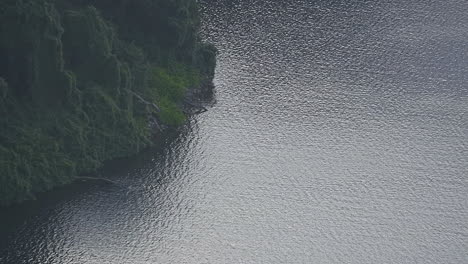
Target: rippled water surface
column 339, row 135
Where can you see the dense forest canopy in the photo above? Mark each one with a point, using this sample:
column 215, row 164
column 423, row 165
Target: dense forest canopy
column 72, row 73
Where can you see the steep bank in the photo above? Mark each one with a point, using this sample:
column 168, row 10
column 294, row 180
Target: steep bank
column 73, row 74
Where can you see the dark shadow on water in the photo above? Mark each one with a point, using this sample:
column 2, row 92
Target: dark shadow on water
column 14, row 218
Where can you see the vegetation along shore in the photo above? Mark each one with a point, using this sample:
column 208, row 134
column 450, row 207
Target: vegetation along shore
column 81, row 80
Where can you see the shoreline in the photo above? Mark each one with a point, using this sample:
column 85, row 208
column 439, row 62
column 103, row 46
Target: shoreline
column 98, row 176
column 81, row 80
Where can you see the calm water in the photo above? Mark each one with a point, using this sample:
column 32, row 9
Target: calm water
column 339, row 135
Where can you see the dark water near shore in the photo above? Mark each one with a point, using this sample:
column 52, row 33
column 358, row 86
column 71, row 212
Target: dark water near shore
column 339, row 135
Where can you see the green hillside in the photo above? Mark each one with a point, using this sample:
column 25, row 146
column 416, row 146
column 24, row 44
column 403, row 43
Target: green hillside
column 79, row 80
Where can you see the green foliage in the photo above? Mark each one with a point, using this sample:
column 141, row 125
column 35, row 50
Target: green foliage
column 3, row 89
column 31, row 50
column 69, row 71
column 170, row 113
column 205, row 59
column 169, row 87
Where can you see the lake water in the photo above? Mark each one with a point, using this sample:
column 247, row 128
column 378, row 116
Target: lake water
column 339, row 135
